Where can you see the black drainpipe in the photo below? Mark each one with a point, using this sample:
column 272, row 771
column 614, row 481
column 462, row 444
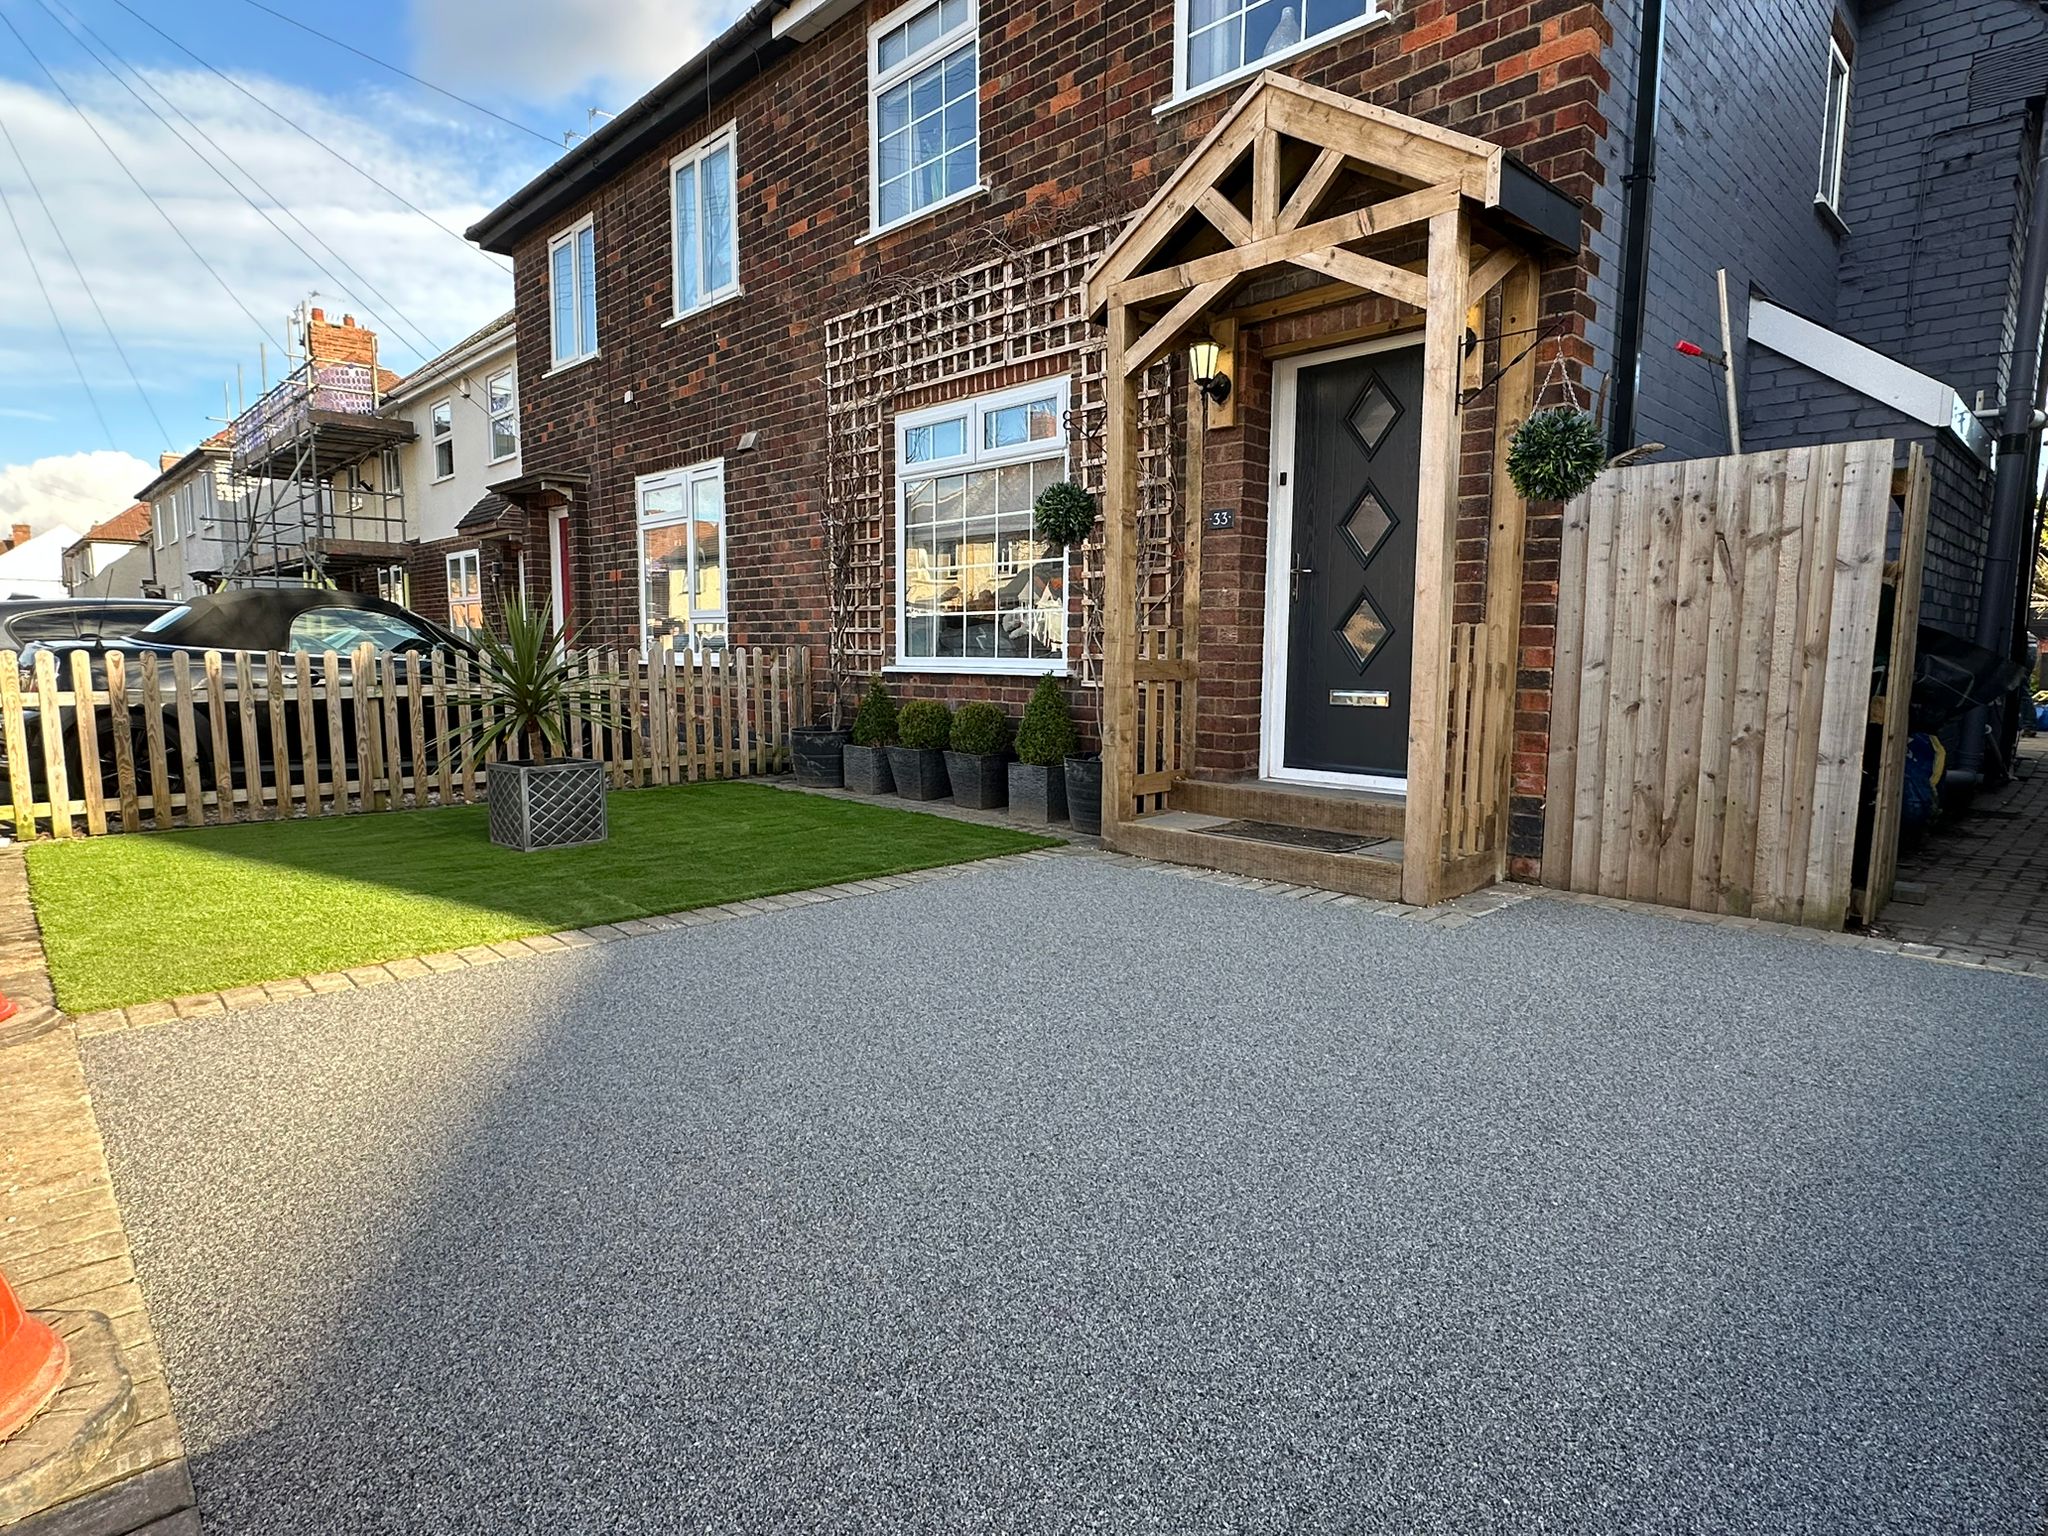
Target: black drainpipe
column 1639, row 185
column 2013, row 493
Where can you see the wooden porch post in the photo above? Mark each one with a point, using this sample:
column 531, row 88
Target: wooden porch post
column 1520, row 304
column 1422, row 863
column 1119, row 596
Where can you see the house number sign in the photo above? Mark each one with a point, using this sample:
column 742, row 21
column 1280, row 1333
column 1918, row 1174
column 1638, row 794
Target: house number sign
column 1222, row 517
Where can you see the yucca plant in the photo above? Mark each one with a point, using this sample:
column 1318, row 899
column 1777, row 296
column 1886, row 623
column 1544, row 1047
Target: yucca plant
column 526, row 691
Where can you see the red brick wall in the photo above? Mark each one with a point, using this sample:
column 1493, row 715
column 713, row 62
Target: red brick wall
column 1068, row 137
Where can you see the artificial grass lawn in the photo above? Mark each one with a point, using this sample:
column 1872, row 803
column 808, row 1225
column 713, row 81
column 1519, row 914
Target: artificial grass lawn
column 132, row 919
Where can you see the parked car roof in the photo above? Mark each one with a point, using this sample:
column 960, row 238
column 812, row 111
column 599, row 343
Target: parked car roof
column 26, row 621
column 259, row 618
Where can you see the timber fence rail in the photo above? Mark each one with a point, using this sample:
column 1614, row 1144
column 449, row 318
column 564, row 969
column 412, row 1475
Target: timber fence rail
column 127, row 744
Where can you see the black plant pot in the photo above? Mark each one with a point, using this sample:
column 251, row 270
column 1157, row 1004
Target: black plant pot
column 979, row 782
column 1038, row 792
column 1084, row 793
column 867, row 770
column 815, row 752
column 920, row 773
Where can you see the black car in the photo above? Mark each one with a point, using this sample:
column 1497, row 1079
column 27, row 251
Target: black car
column 245, row 627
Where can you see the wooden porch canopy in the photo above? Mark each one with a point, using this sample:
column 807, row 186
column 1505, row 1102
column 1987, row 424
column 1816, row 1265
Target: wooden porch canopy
column 1294, row 180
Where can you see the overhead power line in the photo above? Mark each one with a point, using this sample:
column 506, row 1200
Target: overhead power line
column 226, row 180
column 162, row 213
column 310, row 136
column 79, row 272
column 84, row 383
column 474, row 106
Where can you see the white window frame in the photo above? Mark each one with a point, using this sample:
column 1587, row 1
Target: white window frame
column 509, row 373
column 728, row 139
column 162, row 513
column 572, row 237
column 975, row 409
column 880, row 80
column 687, row 477
column 455, row 560
column 1834, row 125
column 1376, row 14
column 441, row 434
column 188, row 516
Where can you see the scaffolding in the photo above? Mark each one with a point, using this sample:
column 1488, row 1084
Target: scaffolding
column 313, row 474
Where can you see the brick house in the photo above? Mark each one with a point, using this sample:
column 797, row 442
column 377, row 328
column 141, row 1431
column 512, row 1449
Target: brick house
column 811, row 322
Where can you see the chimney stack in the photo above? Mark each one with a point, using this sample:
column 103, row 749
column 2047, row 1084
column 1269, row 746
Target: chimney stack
column 20, row 536
column 343, row 343
column 166, row 459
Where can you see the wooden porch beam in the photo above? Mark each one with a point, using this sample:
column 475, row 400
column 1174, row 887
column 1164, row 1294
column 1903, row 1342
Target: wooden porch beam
column 1119, row 592
column 1520, row 311
column 1170, row 325
column 1492, row 272
column 1312, row 186
column 1422, row 863
column 1395, row 213
column 1396, row 151
column 1220, row 211
column 1373, row 276
column 1203, row 168
column 1265, row 184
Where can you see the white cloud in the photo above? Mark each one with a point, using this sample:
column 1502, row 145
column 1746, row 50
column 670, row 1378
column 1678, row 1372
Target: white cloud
column 608, row 51
column 185, row 336
column 75, row 490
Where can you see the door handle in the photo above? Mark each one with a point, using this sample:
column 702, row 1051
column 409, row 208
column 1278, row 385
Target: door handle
column 1300, row 571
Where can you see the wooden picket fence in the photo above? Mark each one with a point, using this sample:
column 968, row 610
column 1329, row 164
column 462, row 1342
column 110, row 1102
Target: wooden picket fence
column 211, row 739
column 1716, row 634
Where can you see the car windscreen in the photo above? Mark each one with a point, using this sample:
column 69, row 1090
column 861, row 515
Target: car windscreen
column 81, row 623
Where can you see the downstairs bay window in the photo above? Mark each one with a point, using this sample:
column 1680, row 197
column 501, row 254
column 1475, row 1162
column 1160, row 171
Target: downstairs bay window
column 976, row 590
column 682, row 559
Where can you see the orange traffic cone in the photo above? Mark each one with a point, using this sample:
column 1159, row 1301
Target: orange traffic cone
column 32, row 1362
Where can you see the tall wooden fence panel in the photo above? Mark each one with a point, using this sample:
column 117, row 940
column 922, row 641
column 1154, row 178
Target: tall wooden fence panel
column 1717, row 624
column 120, row 744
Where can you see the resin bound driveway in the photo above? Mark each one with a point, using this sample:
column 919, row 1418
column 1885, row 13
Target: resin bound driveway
column 1074, row 1195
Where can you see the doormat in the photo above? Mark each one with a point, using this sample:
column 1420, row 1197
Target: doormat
column 1294, row 837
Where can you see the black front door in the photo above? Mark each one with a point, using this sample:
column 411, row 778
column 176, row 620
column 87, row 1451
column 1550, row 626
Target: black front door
column 1357, row 459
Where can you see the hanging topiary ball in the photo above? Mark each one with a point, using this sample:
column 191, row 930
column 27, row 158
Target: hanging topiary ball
column 1556, row 454
column 1063, row 513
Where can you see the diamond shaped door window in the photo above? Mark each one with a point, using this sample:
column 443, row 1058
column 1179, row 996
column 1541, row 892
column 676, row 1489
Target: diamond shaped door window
column 1373, row 417
column 1368, row 525
column 1365, row 630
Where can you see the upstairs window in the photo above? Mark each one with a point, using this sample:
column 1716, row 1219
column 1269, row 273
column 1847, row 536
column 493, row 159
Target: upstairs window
column 1221, row 39
column 442, row 419
column 572, row 293
column 1834, row 134
column 704, row 222
column 501, row 403
column 925, row 86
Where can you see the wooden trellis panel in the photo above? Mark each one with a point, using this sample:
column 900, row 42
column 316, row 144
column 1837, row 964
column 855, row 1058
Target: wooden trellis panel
column 1716, row 628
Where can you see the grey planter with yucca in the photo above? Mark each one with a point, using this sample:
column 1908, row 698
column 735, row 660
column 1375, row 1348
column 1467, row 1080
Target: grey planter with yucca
column 527, row 691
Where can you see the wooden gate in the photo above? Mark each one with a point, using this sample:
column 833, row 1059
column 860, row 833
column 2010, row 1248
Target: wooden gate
column 1717, row 627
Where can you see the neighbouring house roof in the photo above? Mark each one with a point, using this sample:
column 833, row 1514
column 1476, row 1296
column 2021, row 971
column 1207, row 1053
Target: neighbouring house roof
column 491, row 516
column 215, row 447
column 485, row 339
column 130, row 527
column 743, row 52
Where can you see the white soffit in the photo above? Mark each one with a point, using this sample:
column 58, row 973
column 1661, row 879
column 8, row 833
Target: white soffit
column 1868, row 372
column 805, row 19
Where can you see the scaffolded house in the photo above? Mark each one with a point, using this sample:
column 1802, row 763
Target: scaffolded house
column 1395, row 266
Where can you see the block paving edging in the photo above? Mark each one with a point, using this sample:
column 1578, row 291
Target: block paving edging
column 64, row 1248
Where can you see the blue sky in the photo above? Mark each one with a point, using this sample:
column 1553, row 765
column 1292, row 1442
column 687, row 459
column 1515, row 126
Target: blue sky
column 71, row 455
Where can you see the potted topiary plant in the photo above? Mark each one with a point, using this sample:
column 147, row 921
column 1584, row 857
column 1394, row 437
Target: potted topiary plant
column 526, row 693
column 874, row 732
column 976, row 753
column 1038, row 779
column 1084, row 794
column 918, row 759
